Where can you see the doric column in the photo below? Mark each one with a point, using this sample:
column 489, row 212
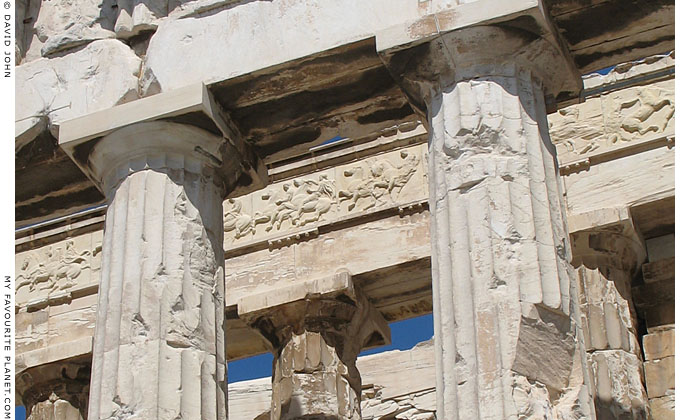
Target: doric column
column 504, row 326
column 159, row 346
column 607, row 258
column 316, row 329
column 56, row 391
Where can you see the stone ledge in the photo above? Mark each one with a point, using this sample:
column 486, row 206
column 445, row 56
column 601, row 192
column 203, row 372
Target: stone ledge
column 54, row 353
column 340, row 283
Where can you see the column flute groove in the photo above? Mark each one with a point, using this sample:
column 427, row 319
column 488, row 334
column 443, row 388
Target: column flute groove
column 500, row 261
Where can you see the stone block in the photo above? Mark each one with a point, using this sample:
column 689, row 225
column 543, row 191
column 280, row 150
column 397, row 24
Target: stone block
column 660, row 270
column 622, row 182
column 61, row 24
column 58, row 87
column 660, row 376
column 340, row 283
column 654, row 294
column 639, row 112
column 659, row 344
column 315, row 26
column 664, row 408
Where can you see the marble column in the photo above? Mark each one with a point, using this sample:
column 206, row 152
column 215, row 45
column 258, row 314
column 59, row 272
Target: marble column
column 607, row 259
column 56, row 391
column 504, row 328
column 316, row 340
column 159, row 347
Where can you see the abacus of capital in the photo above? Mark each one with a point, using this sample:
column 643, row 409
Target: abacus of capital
column 447, row 159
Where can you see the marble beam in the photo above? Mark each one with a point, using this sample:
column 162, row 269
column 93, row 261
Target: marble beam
column 317, row 329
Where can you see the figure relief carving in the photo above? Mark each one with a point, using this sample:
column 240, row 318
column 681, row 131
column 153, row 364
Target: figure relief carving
column 234, row 219
column 379, row 180
column 57, row 269
column 301, row 201
column 650, row 112
column 629, row 115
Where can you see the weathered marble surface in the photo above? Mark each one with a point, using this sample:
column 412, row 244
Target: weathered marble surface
column 57, row 391
column 312, row 29
column 627, row 181
column 316, row 329
column 55, row 273
column 391, row 241
column 614, row 121
column 503, row 288
column 51, row 332
column 395, row 385
column 608, row 258
column 98, row 76
column 346, row 191
column 159, row 344
column 498, row 232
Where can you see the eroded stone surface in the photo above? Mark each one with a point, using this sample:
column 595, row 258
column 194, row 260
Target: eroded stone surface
column 612, row 121
column 607, row 259
column 394, row 178
column 618, row 389
column 311, row 30
column 501, row 278
column 660, row 376
column 623, row 183
column 58, row 271
column 159, row 346
column 664, row 408
column 49, row 27
column 99, row 76
column 316, row 340
column 57, row 391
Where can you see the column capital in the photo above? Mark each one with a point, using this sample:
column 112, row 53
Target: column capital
column 61, row 382
column 179, row 129
column 317, row 328
column 331, row 305
column 480, row 39
column 606, row 238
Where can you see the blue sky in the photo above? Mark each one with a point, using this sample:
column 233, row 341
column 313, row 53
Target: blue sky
column 404, row 336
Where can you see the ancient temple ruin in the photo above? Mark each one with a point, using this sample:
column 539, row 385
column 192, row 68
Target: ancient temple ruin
column 202, row 181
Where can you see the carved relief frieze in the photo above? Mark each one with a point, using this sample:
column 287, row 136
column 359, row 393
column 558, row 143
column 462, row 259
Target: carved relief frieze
column 638, row 112
column 368, row 185
column 57, row 269
column 614, row 121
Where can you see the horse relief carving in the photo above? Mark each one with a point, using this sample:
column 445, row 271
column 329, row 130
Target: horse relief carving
column 298, row 202
column 624, row 117
column 378, row 181
column 58, row 269
column 649, row 112
column 301, row 201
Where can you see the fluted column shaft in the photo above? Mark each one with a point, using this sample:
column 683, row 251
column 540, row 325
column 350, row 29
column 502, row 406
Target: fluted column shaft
column 54, row 408
column 500, row 255
column 313, row 374
column 159, row 348
column 606, row 261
